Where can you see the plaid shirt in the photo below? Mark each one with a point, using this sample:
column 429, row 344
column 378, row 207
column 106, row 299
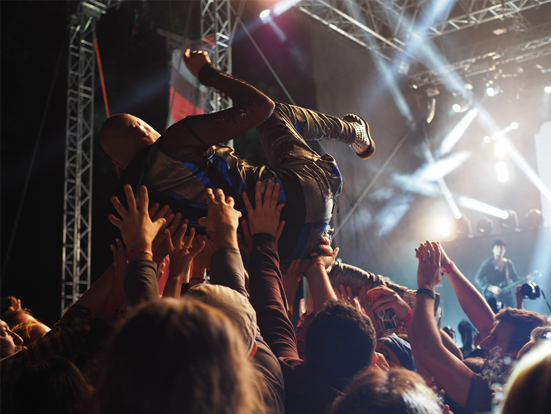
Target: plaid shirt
column 65, row 339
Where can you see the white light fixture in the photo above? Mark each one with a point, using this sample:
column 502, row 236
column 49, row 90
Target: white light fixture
column 501, row 149
column 487, row 139
column 514, row 125
column 264, row 14
column 456, row 108
column 491, row 91
column 502, row 172
column 547, row 89
column 444, row 227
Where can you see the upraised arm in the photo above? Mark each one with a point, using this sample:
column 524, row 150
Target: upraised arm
column 182, row 253
column 470, row 299
column 426, row 343
column 251, row 108
column 138, row 233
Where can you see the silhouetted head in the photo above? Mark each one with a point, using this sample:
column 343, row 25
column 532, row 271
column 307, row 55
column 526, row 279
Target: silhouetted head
column 54, row 385
column 397, row 391
column 177, row 356
column 340, row 342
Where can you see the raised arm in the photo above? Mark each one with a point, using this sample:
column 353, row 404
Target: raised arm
column 251, row 108
column 138, row 233
column 473, row 304
column 452, row 375
column 267, row 293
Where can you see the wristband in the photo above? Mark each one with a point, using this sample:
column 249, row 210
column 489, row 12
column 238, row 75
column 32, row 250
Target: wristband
column 143, row 250
column 426, row 291
column 449, row 269
column 408, row 316
column 317, row 262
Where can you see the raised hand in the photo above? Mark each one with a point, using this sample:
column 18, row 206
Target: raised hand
column 195, row 60
column 384, row 298
column 428, row 271
column 183, row 251
column 160, row 244
column 222, row 217
column 264, row 218
column 203, row 256
column 245, row 240
column 345, row 294
column 137, row 229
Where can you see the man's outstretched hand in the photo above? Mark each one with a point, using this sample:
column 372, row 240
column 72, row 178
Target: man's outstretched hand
column 195, row 60
column 137, row 229
column 428, row 270
column 222, row 219
column 264, row 217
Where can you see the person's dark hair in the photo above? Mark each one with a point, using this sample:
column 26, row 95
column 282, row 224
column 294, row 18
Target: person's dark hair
column 177, row 356
column 340, row 342
column 397, row 391
column 54, row 385
column 523, row 322
column 499, row 242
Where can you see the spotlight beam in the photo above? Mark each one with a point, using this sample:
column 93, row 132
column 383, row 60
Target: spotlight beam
column 440, row 180
column 519, row 160
column 476, row 205
column 364, row 193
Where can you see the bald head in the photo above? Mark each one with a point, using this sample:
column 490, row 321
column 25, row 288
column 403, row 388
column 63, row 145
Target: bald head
column 122, row 136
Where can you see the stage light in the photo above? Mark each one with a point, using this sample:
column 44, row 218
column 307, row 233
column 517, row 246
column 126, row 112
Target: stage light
column 514, row 125
column 547, row 89
column 456, row 108
column 491, row 91
column 511, row 222
column 502, row 172
column 444, row 227
column 534, row 219
column 264, row 15
column 485, row 225
column 463, row 227
column 476, row 205
column 487, row 139
column 501, row 149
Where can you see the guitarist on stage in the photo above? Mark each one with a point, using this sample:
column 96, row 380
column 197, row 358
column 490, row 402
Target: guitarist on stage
column 495, row 274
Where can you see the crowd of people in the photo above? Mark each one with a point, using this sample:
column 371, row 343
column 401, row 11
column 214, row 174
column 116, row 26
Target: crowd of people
column 197, row 312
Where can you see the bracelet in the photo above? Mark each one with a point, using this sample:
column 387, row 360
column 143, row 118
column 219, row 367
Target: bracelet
column 408, row 317
column 143, row 250
column 449, row 269
column 426, row 291
column 317, row 262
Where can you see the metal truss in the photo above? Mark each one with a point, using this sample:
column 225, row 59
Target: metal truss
column 386, row 26
column 77, row 204
column 216, row 28
column 477, row 12
column 487, row 62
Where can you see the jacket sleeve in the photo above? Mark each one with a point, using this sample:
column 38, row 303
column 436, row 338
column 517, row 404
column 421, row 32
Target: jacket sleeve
column 268, row 297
